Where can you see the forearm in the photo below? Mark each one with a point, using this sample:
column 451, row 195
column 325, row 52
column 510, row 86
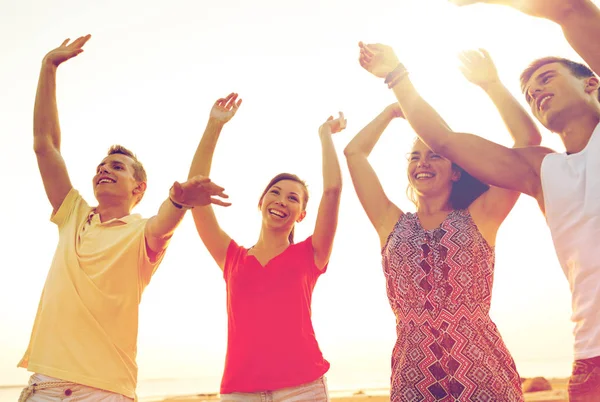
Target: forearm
column 46, row 127
column 332, row 174
column 424, row 120
column 520, row 125
column 581, row 25
column 163, row 224
column 202, row 161
column 364, row 142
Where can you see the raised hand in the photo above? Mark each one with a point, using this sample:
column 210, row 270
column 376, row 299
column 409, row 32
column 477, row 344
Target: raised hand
column 478, row 67
column 198, row 191
column 225, row 108
column 394, row 110
column 333, row 126
column 377, row 59
column 550, row 9
column 66, row 51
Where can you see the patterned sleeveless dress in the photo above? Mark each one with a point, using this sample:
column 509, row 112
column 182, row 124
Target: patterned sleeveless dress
column 439, row 285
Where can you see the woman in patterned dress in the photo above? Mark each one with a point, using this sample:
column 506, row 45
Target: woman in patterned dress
column 439, row 267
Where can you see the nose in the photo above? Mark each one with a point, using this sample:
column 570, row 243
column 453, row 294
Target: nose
column 534, row 92
column 423, row 162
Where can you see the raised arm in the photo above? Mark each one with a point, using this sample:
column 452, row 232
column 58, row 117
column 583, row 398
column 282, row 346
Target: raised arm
column 46, row 127
column 579, row 20
column 382, row 213
column 327, row 217
column 198, row 192
column 213, row 237
column 514, row 169
column 478, row 67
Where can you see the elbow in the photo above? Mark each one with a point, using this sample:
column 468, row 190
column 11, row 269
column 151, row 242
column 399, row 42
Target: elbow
column 43, row 144
column 333, row 191
column 441, row 143
column 351, row 150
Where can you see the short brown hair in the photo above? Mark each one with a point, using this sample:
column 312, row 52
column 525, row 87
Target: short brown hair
column 577, row 69
column 139, row 173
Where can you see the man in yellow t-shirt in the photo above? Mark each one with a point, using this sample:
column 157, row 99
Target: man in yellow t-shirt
column 83, row 342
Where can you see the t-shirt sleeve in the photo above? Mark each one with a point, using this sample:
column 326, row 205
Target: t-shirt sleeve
column 308, row 252
column 72, row 206
column 232, row 259
column 147, row 267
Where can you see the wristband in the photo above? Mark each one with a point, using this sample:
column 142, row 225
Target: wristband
column 399, row 70
column 180, row 206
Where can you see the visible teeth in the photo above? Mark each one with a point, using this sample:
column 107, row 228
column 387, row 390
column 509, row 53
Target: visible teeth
column 424, row 176
column 277, row 213
column 105, row 181
column 544, row 101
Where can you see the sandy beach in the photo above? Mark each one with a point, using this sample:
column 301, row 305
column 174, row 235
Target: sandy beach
column 557, row 394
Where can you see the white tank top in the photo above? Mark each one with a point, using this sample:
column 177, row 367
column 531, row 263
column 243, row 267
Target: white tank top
column 571, row 186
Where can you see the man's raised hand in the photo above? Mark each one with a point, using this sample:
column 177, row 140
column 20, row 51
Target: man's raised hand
column 197, row 192
column 478, row 67
column 378, row 59
column 66, row 51
column 225, row 108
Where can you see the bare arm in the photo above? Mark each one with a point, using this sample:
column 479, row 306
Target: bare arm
column 46, row 127
column 198, row 192
column 495, row 205
column 382, row 213
column 327, row 217
column 478, row 67
column 579, row 20
column 213, row 237
column 513, row 169
column 581, row 27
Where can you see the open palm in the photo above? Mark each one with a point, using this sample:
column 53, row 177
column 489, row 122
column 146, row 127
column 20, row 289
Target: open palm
column 478, row 67
column 66, row 50
column 225, row 108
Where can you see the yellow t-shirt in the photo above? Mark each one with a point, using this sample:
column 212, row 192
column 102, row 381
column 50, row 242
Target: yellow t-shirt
column 86, row 326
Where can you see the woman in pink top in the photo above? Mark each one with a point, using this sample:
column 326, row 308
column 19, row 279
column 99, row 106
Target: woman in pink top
column 272, row 352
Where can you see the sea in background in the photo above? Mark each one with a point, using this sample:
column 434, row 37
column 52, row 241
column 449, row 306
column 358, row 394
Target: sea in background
column 341, row 382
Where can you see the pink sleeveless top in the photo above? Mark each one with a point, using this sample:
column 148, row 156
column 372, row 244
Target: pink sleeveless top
column 439, row 285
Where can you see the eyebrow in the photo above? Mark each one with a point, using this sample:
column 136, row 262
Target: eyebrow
column 279, row 188
column 112, row 163
column 538, row 78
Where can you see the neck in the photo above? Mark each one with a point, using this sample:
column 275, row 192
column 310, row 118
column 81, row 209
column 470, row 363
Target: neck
column 108, row 211
column 272, row 239
column 576, row 133
column 431, row 205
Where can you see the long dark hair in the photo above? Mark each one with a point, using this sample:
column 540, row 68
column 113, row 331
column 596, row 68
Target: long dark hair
column 292, row 177
column 464, row 191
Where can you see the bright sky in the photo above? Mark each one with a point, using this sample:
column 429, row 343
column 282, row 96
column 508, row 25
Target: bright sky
column 147, row 80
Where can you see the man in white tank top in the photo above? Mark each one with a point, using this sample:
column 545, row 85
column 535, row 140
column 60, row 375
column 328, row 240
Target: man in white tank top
column 563, row 96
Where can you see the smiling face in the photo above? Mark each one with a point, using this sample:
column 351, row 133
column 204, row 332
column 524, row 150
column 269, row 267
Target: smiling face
column 430, row 174
column 115, row 180
column 555, row 94
column 283, row 204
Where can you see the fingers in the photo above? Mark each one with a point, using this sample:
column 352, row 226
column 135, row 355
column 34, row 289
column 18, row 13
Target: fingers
column 342, row 121
column 485, row 54
column 223, row 101
column 231, row 101
column 217, row 201
column 65, row 42
column 79, row 42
